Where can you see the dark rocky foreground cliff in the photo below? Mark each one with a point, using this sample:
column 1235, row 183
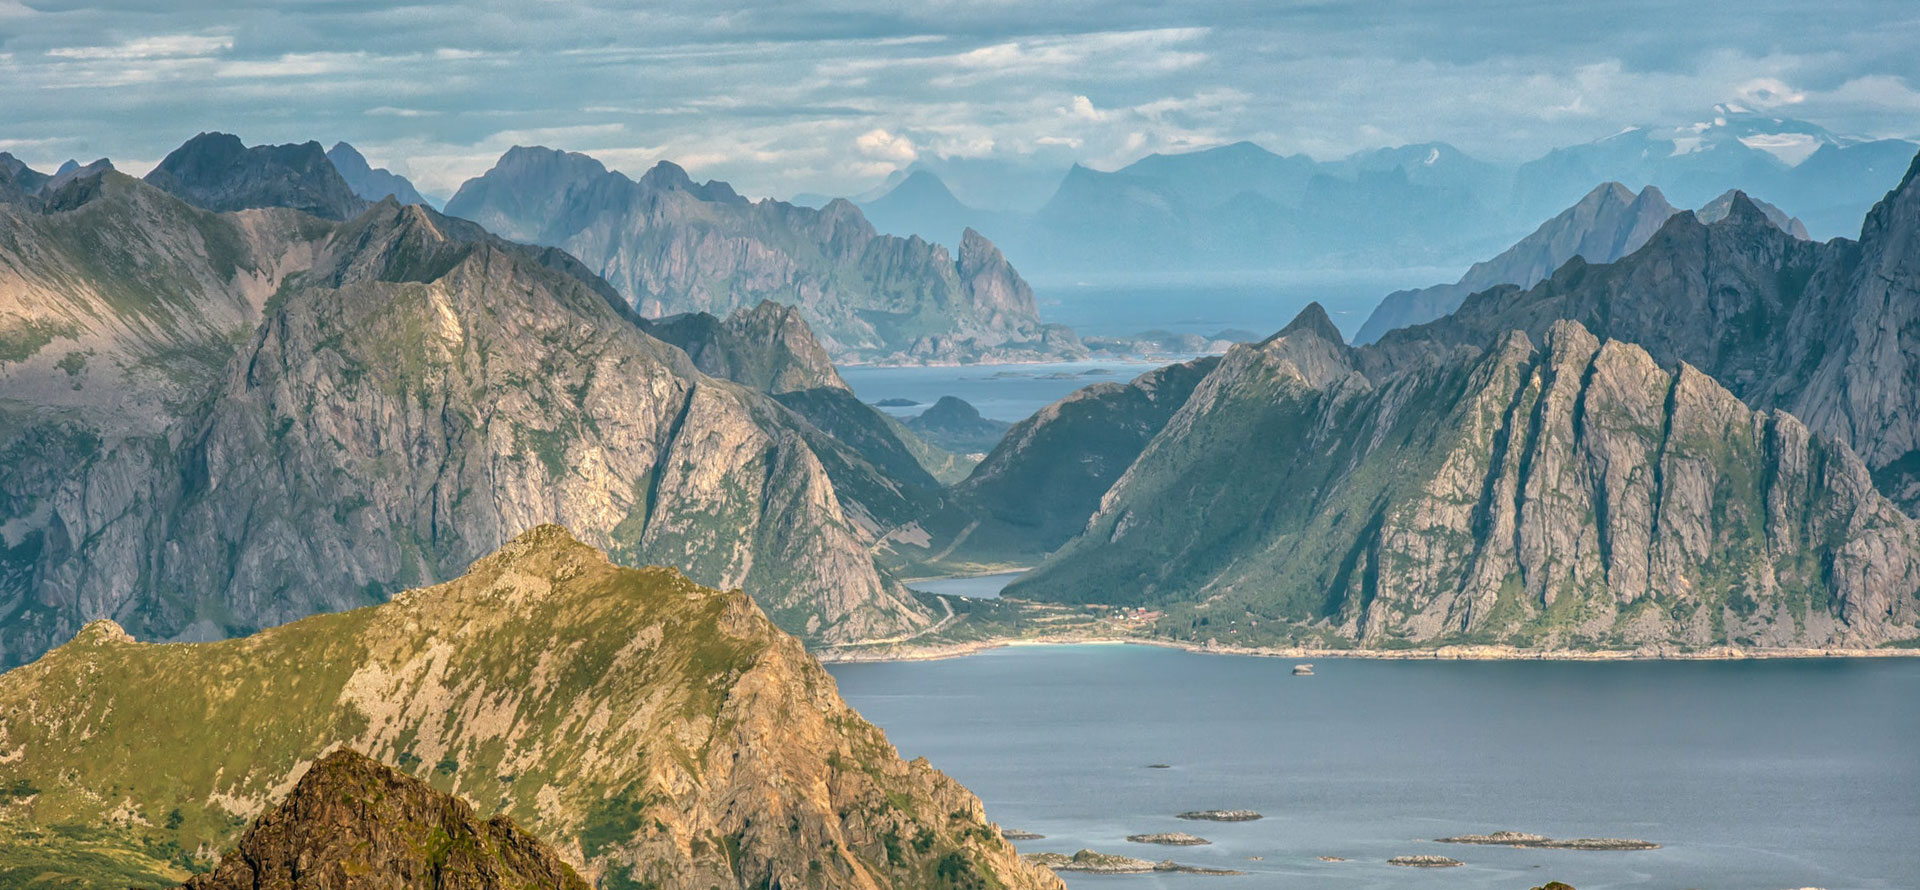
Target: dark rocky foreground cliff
column 651, row 731
column 217, row 422
column 352, row 821
column 671, row 245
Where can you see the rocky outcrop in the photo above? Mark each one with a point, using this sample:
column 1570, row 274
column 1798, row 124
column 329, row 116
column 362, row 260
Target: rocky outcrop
column 217, row 172
column 369, row 182
column 351, row 819
column 650, row 730
column 1717, row 209
column 1570, row 495
column 288, row 416
column 1827, row 332
column 671, row 246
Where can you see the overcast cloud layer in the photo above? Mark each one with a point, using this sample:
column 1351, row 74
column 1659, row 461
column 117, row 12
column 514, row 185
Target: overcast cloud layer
column 830, row 96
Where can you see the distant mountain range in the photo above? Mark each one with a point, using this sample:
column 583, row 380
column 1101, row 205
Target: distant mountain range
column 1710, row 441
column 372, row 183
column 671, row 245
column 1607, row 224
column 1241, row 209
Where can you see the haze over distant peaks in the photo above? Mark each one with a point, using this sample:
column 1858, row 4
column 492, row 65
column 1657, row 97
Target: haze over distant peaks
column 369, row 182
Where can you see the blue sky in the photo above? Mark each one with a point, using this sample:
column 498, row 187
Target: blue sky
column 830, row 96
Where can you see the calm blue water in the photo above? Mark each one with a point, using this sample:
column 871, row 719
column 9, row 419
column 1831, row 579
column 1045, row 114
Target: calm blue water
column 1000, row 392
column 985, row 587
column 1755, row 775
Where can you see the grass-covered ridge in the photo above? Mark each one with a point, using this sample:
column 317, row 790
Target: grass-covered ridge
column 652, row 730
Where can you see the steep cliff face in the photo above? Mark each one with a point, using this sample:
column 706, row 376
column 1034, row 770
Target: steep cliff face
column 671, row 737
column 672, row 246
column 217, row 172
column 767, row 347
column 1573, row 495
column 347, row 410
column 1828, row 332
column 353, row 822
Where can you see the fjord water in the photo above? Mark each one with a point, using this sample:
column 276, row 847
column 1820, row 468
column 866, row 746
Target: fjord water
column 1754, row 775
column 1010, row 392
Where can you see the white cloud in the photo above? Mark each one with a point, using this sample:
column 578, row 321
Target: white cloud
column 884, row 146
column 161, row 46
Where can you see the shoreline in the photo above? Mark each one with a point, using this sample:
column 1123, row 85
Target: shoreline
column 939, row 652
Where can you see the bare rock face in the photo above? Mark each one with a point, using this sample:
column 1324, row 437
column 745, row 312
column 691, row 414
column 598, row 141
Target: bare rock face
column 673, row 246
column 649, row 730
column 352, row 822
column 227, row 421
column 767, row 347
column 1827, row 332
column 217, row 172
column 1573, row 495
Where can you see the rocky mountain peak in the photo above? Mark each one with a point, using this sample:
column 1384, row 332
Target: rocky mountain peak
column 218, row 172
column 350, row 818
column 100, row 632
column 1311, row 320
column 369, row 182
column 668, row 175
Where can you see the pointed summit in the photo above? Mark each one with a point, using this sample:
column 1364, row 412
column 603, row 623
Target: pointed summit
column 1311, row 320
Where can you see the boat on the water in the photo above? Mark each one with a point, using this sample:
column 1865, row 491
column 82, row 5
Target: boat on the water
column 1303, row 670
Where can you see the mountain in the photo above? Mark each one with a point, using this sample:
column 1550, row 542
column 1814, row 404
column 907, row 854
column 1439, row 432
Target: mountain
column 350, row 817
column 368, row 182
column 1607, row 224
column 217, row 172
column 220, row 422
column 651, row 731
column 20, row 183
column 921, row 205
column 1824, row 331
column 770, row 348
column 1828, row 180
column 1561, row 493
column 1039, row 485
column 955, row 425
column 670, row 245
column 767, row 347
column 1717, row 209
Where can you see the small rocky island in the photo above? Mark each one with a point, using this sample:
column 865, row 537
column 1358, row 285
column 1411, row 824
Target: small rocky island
column 1424, row 861
column 1541, row 841
column 1093, row 862
column 1220, row 815
column 1171, row 839
column 1015, row 834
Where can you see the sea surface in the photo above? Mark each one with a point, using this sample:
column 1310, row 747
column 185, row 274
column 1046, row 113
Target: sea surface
column 1000, row 392
column 1755, row 775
